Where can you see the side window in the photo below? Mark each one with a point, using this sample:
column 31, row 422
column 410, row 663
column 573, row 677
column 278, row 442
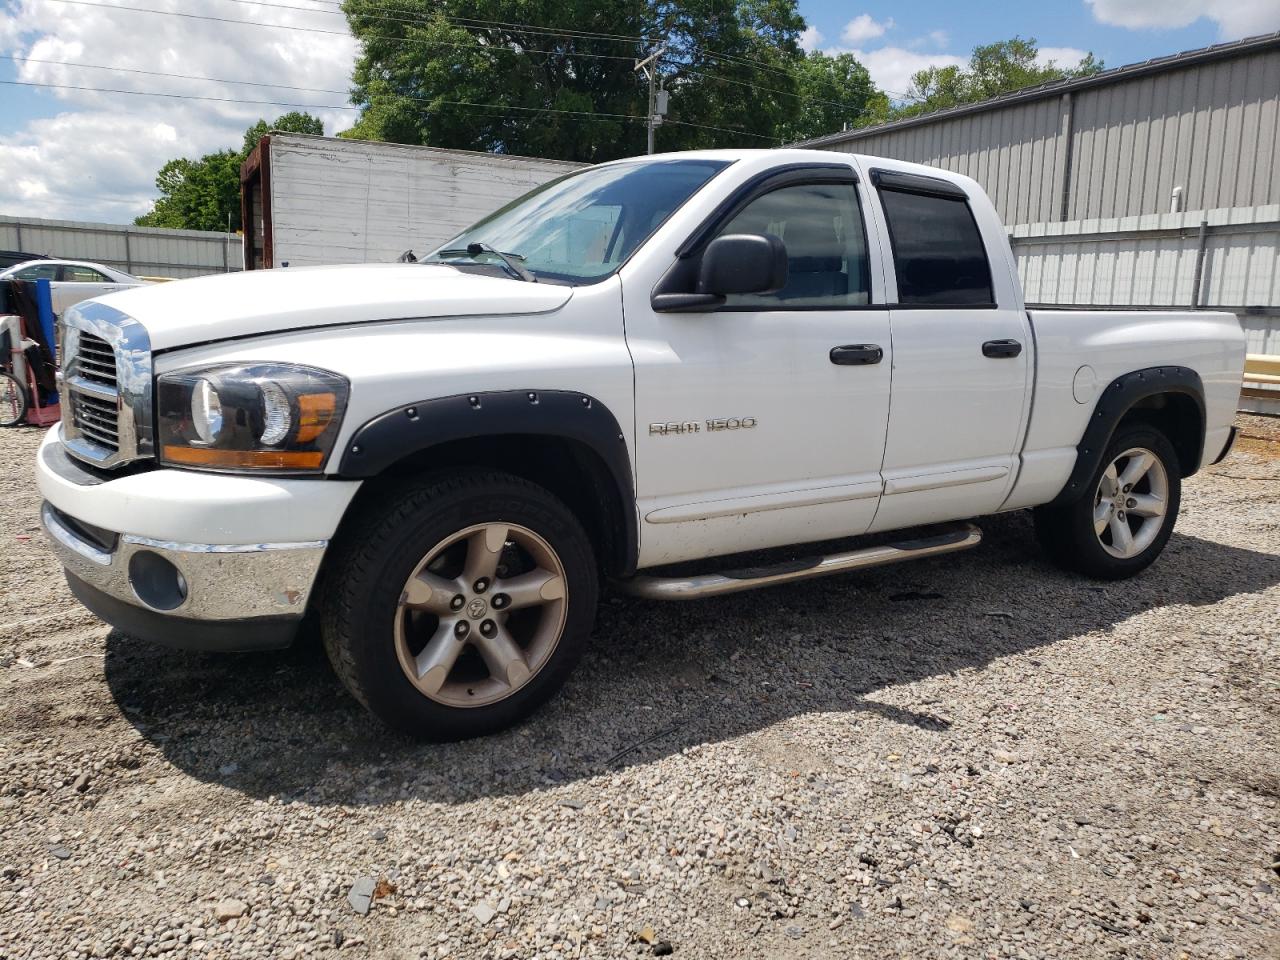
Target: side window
column 937, row 250
column 821, row 224
column 77, row 274
column 44, row 271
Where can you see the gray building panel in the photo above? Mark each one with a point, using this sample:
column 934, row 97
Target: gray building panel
column 1112, row 145
column 142, row 251
column 1208, row 129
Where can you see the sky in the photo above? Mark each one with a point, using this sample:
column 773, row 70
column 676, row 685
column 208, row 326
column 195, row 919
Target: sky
column 83, row 154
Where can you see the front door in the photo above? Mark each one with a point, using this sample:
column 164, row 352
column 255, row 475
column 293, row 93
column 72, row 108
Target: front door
column 961, row 371
column 763, row 423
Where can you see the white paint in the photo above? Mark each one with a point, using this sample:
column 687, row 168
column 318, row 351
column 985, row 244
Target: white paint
column 190, row 507
column 830, row 454
column 1085, row 385
column 260, row 301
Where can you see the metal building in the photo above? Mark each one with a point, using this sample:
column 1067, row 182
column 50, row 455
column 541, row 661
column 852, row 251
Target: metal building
column 142, row 251
column 1155, row 184
column 1197, row 129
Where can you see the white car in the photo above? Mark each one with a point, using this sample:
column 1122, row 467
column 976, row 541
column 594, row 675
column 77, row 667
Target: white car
column 72, row 281
column 647, row 362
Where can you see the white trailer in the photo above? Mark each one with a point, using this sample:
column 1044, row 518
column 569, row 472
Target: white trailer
column 309, row 200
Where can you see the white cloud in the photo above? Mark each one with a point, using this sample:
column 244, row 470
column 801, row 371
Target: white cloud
column 893, row 67
column 1065, row 57
column 862, row 28
column 97, row 158
column 811, row 39
column 1235, row 18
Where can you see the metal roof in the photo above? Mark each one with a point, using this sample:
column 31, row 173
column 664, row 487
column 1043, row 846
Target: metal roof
column 1176, row 61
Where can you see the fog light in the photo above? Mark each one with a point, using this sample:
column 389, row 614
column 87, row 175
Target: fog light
column 156, row 581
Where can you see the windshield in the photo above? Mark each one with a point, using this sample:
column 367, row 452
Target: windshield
column 580, row 228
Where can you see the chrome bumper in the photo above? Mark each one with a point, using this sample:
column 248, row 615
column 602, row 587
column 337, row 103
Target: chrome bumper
column 214, row 583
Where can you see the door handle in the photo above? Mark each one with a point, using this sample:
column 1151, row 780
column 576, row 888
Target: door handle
column 1001, row 349
column 857, row 354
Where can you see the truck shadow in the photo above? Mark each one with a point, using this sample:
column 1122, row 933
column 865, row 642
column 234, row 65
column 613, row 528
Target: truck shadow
column 658, row 677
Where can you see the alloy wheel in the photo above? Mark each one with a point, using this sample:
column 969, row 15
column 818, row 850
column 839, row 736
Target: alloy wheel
column 1130, row 503
column 481, row 614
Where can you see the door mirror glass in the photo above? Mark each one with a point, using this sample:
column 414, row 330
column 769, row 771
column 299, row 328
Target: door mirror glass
column 743, row 263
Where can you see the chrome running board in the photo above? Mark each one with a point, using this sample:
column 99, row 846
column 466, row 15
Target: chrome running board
column 957, row 537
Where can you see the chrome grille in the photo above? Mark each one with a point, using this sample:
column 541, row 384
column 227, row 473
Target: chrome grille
column 96, row 419
column 95, row 361
column 106, row 386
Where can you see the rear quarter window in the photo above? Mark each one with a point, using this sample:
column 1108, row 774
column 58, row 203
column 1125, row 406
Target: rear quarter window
column 938, row 253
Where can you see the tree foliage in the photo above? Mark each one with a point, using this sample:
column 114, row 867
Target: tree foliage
column 204, row 194
column 994, row 69
column 292, row 122
column 522, row 76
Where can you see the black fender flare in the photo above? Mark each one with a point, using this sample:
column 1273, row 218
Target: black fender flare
column 568, row 415
column 1117, row 400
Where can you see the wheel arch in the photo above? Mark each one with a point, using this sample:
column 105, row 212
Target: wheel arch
column 1170, row 398
column 567, row 442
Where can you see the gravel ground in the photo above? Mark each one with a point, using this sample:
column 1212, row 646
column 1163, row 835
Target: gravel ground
column 975, row 756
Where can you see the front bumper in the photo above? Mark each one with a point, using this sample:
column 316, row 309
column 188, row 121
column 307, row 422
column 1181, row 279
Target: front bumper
column 161, row 590
column 140, row 572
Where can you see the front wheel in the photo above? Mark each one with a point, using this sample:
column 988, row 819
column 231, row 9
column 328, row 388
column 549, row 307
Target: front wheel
column 1122, row 527
column 461, row 605
column 13, row 401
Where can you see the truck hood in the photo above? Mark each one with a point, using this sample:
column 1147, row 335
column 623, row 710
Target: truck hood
column 228, row 306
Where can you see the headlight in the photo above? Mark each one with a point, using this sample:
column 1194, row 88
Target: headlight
column 274, row 417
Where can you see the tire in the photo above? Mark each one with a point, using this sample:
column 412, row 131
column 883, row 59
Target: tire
column 1087, row 536
column 426, row 646
column 13, row 401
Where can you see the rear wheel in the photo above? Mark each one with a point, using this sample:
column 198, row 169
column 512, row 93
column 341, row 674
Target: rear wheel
column 462, row 606
column 1123, row 525
column 13, row 401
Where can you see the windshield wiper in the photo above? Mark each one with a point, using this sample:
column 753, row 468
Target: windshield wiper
column 474, row 249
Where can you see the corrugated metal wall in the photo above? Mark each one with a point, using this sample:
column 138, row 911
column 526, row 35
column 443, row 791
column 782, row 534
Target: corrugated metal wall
column 1212, row 128
column 1150, row 261
column 353, row 201
column 1018, row 154
column 141, row 251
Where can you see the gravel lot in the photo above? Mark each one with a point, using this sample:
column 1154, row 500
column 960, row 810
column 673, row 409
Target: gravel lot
column 975, row 756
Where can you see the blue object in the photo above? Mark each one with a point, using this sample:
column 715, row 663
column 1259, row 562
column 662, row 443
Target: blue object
column 44, row 308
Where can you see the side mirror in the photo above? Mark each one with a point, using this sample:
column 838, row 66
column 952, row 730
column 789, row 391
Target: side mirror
column 736, row 263
column 743, row 263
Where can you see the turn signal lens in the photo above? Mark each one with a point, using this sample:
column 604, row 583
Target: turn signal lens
column 270, row 417
column 240, row 459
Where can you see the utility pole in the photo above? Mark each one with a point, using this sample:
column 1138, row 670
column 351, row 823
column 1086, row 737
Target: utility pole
column 650, row 67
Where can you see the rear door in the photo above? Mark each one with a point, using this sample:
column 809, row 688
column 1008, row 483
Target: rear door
column 961, row 355
column 79, row 282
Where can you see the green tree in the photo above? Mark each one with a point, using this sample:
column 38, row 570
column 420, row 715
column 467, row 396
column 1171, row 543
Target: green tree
column 536, row 77
column 204, row 194
column 292, row 122
column 993, row 69
column 828, row 85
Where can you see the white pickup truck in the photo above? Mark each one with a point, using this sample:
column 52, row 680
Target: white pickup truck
column 641, row 364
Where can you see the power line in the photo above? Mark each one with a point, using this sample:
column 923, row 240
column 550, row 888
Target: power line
column 415, row 16
column 485, row 48
column 584, row 114
column 782, row 93
column 737, row 60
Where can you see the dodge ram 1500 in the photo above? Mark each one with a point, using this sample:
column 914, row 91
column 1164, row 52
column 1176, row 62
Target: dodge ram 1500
column 644, row 363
